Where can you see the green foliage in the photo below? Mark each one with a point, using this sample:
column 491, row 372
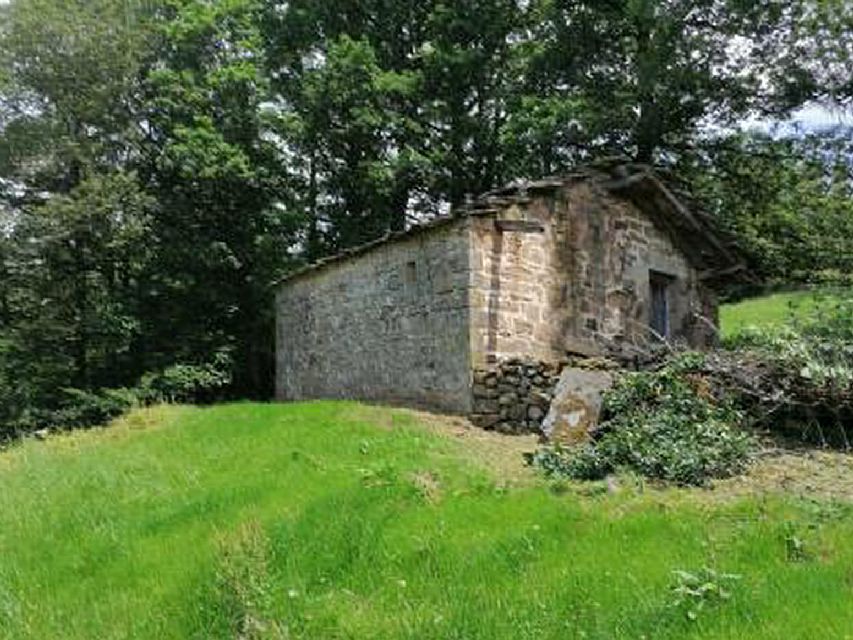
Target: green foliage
column 817, row 347
column 664, row 424
column 648, row 70
column 72, row 269
column 74, row 408
column 223, row 228
column 186, row 383
column 86, row 409
column 65, row 106
column 806, row 369
column 787, row 200
column 694, row 591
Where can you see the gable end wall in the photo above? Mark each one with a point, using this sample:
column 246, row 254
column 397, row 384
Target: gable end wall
column 581, row 283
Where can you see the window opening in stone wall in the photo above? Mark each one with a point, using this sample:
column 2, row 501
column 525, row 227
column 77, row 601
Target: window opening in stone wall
column 410, row 274
column 660, row 284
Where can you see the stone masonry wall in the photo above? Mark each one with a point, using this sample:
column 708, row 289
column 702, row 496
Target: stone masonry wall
column 518, row 289
column 513, row 396
column 580, row 286
column 389, row 325
column 613, row 248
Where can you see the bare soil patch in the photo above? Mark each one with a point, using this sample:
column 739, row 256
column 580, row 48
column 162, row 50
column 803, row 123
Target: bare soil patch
column 803, row 472
column 501, row 455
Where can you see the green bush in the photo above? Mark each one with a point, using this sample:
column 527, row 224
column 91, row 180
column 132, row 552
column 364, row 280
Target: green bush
column 85, row 408
column 666, row 424
column 88, row 408
column 186, row 383
column 77, row 408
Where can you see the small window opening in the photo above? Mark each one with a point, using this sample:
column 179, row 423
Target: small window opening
column 410, row 274
column 660, row 284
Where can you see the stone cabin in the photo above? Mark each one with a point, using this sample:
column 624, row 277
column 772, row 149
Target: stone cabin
column 476, row 313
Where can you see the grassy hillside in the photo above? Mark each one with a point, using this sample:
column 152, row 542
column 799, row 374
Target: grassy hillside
column 773, row 309
column 332, row 520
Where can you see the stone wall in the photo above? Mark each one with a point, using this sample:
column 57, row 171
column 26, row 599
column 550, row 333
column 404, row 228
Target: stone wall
column 613, row 249
column 519, row 288
column 513, row 396
column 582, row 284
column 388, row 325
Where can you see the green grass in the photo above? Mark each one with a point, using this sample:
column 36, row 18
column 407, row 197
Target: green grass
column 773, row 310
column 329, row 520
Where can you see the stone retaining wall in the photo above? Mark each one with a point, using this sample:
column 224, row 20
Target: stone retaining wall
column 513, row 395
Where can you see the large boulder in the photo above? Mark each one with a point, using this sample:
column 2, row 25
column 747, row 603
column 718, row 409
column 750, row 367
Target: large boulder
column 576, row 406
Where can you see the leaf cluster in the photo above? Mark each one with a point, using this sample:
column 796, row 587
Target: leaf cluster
column 695, row 591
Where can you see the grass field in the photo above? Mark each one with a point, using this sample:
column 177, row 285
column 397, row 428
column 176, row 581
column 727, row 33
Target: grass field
column 333, row 520
column 774, row 309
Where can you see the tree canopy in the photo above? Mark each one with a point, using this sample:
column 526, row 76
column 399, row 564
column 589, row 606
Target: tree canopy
column 163, row 162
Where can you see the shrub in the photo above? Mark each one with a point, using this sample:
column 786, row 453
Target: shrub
column 187, row 383
column 694, row 591
column 84, row 408
column 667, row 424
column 77, row 408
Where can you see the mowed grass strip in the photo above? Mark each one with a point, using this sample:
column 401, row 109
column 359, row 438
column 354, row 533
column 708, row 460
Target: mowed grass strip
column 320, row 521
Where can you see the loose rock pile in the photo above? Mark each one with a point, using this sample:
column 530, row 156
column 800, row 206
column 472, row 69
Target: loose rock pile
column 513, row 396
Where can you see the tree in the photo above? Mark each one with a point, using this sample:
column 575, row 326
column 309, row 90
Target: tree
column 70, row 71
column 74, row 219
column 650, row 78
column 787, row 200
column 71, row 277
column 391, row 110
column 209, row 160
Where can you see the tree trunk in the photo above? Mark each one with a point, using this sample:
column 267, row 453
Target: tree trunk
column 81, row 302
column 647, row 130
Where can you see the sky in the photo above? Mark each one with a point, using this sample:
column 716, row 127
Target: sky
column 812, row 117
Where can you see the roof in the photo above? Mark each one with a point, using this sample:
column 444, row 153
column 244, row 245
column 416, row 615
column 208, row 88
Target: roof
column 709, row 249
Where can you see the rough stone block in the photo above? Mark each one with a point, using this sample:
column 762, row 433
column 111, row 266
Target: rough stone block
column 516, row 412
column 484, row 405
column 535, row 413
column 482, row 391
column 508, row 399
column 576, row 407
